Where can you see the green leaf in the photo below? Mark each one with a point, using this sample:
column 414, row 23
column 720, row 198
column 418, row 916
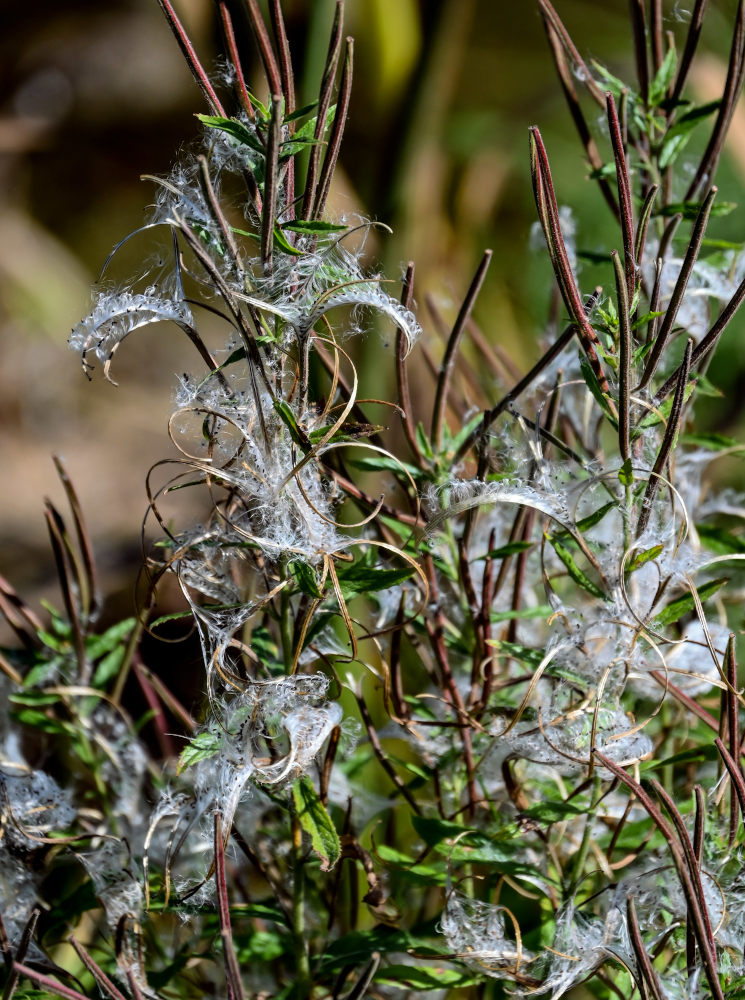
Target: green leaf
column 419, row 977
column 237, row 355
column 504, row 856
column 695, row 755
column 712, row 441
column 357, row 947
column 281, row 242
column 263, row 644
column 45, row 723
column 676, row 609
column 235, row 129
column 579, row 577
column 247, row 234
column 663, row 78
column 359, row 578
column 465, row 431
column 291, row 147
column 526, row 654
column 510, row 549
column 262, row 947
column 42, row 670
column 109, row 667
column 541, row 611
column 377, row 463
column 690, row 209
column 173, row 617
column 664, row 410
column 423, row 441
column 97, row 645
column 288, row 418
column 612, row 83
column 605, row 171
column 585, row 523
column 34, row 698
column 644, row 349
column 316, row 822
column 553, row 812
column 259, row 106
column 594, row 386
column 202, row 747
column 300, row 113
column 705, row 387
column 408, row 870
column 720, row 541
column 311, row 228
column 626, row 474
column 436, row 831
column 643, row 557
column 305, row 577
column 354, row 431
column 52, row 641
column 308, row 129
column 680, row 132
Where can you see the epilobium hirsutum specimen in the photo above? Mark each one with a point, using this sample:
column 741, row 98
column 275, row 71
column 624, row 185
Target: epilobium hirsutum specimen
column 481, row 732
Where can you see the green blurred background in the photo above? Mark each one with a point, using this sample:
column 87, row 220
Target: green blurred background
column 95, row 94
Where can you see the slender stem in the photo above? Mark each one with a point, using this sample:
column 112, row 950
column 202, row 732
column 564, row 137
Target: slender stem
column 681, row 284
column 624, row 196
column 673, row 423
column 689, row 50
column 337, row 131
column 189, row 52
column 639, row 31
column 624, row 361
column 268, row 57
column 271, row 172
column 448, row 361
column 732, row 87
column 324, row 100
column 304, row 982
column 402, row 374
column 556, row 348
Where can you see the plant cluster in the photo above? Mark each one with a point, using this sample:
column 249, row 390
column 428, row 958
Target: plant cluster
column 471, row 715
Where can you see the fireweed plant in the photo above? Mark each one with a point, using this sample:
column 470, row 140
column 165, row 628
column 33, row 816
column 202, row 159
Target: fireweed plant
column 471, row 714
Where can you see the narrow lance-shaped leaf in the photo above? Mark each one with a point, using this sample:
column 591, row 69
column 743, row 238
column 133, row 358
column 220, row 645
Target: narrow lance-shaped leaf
column 315, row 820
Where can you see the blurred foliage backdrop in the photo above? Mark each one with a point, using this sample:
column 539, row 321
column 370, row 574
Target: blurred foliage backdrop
column 95, row 94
